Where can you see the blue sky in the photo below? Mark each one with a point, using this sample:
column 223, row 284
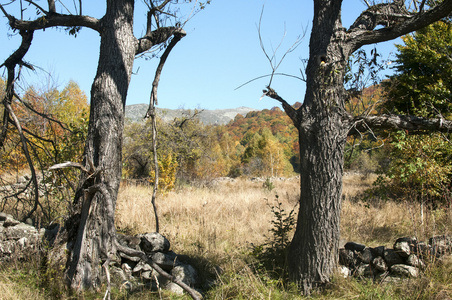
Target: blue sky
column 220, row 52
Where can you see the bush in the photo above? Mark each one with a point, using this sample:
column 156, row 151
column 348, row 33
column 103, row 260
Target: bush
column 272, row 255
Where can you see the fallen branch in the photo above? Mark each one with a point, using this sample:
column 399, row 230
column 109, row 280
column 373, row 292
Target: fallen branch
column 135, row 253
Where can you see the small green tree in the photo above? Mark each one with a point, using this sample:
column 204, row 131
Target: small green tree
column 422, row 86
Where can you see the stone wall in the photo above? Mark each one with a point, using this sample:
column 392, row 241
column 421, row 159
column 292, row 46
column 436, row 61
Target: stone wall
column 407, row 258
column 18, row 239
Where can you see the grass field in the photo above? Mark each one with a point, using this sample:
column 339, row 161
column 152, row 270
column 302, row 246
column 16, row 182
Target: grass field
column 219, row 226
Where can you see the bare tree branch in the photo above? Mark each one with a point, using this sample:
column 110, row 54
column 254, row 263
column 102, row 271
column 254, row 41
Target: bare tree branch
column 38, row 7
column 158, row 36
column 10, row 64
column 290, row 111
column 398, row 22
column 410, row 123
column 28, row 158
column 272, row 60
column 263, row 76
column 178, row 35
column 52, row 20
column 52, row 8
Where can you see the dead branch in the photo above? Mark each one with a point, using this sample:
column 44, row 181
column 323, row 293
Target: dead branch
column 158, row 36
column 151, row 113
column 10, row 64
column 39, row 7
column 396, row 21
column 410, row 123
column 273, row 74
column 272, row 59
column 53, row 20
column 290, row 111
column 135, row 253
column 52, row 8
column 69, row 164
column 28, row 158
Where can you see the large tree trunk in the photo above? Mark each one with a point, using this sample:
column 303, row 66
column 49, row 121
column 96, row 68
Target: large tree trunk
column 323, row 125
column 94, row 241
column 314, row 248
column 323, row 128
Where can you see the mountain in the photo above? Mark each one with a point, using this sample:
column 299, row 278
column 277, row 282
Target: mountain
column 136, row 113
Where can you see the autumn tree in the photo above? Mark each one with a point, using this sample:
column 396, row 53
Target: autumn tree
column 91, row 230
column 54, row 125
column 324, row 123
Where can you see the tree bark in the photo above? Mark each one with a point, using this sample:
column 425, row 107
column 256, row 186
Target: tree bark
column 323, row 128
column 96, row 236
column 324, row 124
column 90, row 229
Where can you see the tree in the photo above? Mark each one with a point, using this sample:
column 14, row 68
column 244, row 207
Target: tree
column 91, row 229
column 422, row 85
column 423, row 80
column 323, row 123
column 54, row 125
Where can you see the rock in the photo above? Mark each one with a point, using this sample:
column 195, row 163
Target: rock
column 423, row 250
column 185, row 273
column 405, row 270
column 127, row 270
column 142, row 267
column 132, row 242
column 344, row 271
column 392, row 258
column 147, row 275
column 378, row 251
column 379, row 264
column 23, row 230
column 347, row 258
column 402, row 248
column 166, row 261
column 118, row 272
column 22, row 243
column 354, row 246
column 6, row 249
column 153, row 242
column 414, row 261
column 4, row 216
column 9, row 221
column 366, row 256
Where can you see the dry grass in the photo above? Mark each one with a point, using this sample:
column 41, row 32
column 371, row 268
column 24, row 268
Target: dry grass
column 217, row 220
column 381, row 222
column 229, row 216
column 216, row 226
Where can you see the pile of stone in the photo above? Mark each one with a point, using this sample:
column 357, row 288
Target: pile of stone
column 156, row 247
column 406, row 259
column 18, row 239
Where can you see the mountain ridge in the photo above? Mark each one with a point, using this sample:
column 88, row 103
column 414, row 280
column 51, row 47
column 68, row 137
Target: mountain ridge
column 136, row 113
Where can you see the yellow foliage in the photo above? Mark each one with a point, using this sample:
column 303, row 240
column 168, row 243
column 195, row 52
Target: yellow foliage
column 167, row 172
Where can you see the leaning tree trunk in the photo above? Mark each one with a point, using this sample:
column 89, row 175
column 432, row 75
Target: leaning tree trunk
column 323, row 127
column 94, row 242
